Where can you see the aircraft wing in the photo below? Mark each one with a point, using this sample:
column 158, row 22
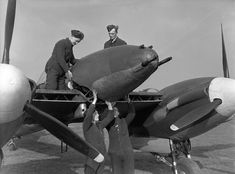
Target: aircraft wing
column 59, row 103
column 62, row 103
column 45, row 106
column 144, row 102
column 62, row 132
column 53, row 109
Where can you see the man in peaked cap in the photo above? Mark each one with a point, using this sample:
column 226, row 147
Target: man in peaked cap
column 58, row 66
column 114, row 39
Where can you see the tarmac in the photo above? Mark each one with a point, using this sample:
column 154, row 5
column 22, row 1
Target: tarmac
column 39, row 153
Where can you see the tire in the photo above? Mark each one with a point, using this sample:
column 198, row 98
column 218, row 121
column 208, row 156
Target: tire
column 187, row 166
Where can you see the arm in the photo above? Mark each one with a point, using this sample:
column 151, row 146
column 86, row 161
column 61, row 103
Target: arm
column 89, row 114
column 131, row 111
column 109, row 117
column 60, row 53
column 73, row 60
column 89, row 117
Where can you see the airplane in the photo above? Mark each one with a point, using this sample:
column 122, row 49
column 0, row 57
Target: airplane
column 17, row 91
column 171, row 116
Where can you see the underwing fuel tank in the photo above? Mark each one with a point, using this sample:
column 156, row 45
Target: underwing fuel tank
column 116, row 71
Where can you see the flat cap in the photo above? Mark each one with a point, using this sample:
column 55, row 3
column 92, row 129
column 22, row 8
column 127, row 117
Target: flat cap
column 110, row 27
column 77, row 34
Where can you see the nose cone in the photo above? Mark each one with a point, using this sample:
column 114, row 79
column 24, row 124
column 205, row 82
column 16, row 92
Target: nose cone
column 14, row 92
column 149, row 57
column 224, row 89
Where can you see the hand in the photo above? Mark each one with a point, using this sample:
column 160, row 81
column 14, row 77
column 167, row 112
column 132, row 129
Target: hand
column 69, row 75
column 70, row 85
column 116, row 112
column 127, row 98
column 109, row 104
column 95, row 96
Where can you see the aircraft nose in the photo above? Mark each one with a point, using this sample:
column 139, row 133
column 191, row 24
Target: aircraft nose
column 224, row 89
column 149, row 56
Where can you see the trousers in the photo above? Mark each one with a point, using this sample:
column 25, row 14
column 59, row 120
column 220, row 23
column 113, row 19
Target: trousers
column 55, row 80
column 122, row 164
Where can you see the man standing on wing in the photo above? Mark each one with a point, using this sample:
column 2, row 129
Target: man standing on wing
column 57, row 67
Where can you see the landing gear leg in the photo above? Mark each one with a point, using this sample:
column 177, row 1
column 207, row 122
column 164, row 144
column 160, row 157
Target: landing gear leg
column 173, row 155
column 181, row 158
column 185, row 148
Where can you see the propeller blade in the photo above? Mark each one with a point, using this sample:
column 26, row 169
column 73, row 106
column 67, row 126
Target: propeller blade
column 62, row 132
column 224, row 57
column 9, row 25
column 195, row 115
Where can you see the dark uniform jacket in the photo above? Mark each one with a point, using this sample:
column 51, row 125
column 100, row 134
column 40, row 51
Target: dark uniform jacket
column 119, row 140
column 117, row 42
column 62, row 55
column 93, row 132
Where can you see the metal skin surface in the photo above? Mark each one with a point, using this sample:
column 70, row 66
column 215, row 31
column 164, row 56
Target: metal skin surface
column 167, row 112
column 15, row 91
column 120, row 69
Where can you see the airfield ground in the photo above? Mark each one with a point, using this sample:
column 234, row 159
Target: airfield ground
column 39, row 153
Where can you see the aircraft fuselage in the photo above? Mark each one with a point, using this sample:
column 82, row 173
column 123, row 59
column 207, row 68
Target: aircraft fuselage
column 116, row 71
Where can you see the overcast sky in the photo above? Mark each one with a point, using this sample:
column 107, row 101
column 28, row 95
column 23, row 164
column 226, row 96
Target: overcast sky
column 187, row 30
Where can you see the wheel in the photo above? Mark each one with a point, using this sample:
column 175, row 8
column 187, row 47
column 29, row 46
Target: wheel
column 187, row 166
